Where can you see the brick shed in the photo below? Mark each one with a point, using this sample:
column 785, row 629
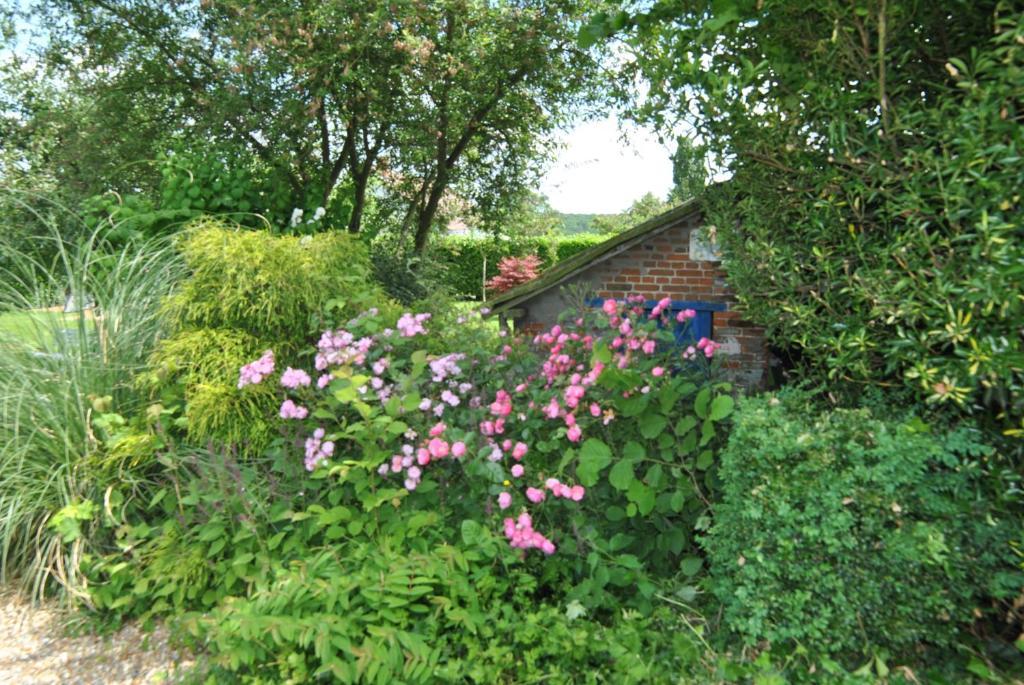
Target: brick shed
column 668, row 255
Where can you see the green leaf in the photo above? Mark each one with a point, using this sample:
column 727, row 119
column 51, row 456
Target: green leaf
column 705, row 459
column 621, row 475
column 721, row 407
column 685, row 425
column 471, row 532
column 700, row 405
column 334, row 515
column 634, row 450
column 594, row 458
column 642, row 496
column 652, row 424
column 690, row 565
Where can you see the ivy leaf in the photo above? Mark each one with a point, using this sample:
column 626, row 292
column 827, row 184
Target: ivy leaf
column 721, row 407
column 594, row 458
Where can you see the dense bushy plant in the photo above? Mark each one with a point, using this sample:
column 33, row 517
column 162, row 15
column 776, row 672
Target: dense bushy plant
column 461, row 261
column 448, row 614
column 514, row 271
column 248, row 291
column 848, row 535
column 526, row 436
column 873, row 221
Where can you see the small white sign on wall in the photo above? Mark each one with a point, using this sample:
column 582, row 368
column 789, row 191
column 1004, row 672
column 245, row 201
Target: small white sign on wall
column 704, row 245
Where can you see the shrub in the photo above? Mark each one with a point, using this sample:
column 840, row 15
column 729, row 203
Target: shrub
column 514, row 271
column 846, row 534
column 248, row 291
column 879, row 249
column 598, row 442
column 274, row 287
column 461, row 260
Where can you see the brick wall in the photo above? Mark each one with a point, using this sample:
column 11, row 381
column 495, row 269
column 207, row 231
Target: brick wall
column 660, row 266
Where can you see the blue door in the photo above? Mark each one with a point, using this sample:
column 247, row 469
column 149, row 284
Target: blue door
column 702, row 326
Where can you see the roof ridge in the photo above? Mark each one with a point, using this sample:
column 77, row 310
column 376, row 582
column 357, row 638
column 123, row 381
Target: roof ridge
column 580, row 261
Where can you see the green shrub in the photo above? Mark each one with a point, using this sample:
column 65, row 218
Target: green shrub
column 248, row 291
column 462, row 260
column 204, row 363
column 847, row 534
column 274, row 287
column 879, row 249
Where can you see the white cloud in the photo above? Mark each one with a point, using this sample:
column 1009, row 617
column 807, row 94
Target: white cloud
column 599, row 172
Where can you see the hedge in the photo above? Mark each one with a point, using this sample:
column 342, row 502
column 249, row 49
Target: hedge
column 462, row 259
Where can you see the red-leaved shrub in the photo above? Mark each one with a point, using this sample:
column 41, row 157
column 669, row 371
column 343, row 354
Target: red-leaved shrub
column 514, row 271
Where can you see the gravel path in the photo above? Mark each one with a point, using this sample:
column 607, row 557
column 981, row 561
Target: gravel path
column 35, row 650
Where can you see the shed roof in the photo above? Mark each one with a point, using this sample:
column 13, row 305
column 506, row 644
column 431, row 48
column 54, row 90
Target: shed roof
column 566, row 269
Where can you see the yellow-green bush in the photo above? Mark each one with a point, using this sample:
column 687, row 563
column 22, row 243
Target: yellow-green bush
column 249, row 291
column 205, row 362
column 274, row 287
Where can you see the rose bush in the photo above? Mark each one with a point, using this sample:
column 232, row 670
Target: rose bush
column 594, row 442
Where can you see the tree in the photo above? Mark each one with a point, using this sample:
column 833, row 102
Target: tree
column 645, row 207
column 689, row 170
column 874, row 210
column 428, row 96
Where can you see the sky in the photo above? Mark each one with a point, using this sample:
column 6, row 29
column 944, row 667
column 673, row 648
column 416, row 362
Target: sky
column 596, row 172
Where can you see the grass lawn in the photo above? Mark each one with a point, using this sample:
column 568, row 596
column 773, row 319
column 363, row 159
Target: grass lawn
column 37, row 327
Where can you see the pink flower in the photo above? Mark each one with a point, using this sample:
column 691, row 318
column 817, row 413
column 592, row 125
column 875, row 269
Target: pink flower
column 685, row 314
column 256, row 371
column 458, row 449
column 595, row 409
column 519, row 451
column 657, row 372
column 570, row 420
column 290, row 410
column 551, row 483
column 552, row 410
column 323, row 380
column 609, row 307
column 534, row 495
column 517, row 470
column 423, row 456
column 649, row 346
column 438, row 448
column 576, row 493
column 504, row 500
column 574, row 434
column 293, row 378
column 437, row 429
